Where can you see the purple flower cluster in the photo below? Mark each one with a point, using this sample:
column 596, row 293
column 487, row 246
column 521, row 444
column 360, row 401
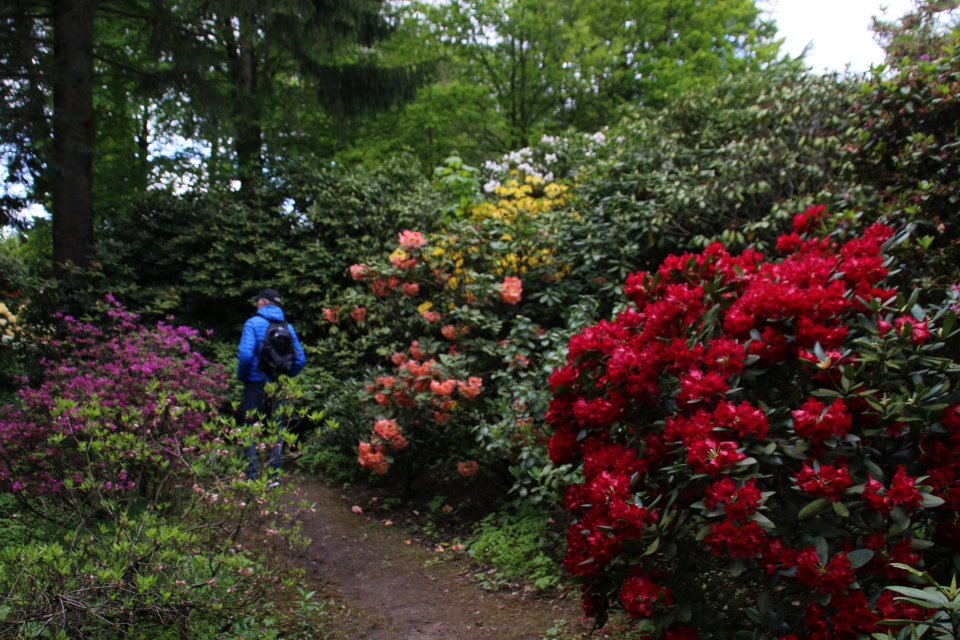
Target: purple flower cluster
column 116, row 402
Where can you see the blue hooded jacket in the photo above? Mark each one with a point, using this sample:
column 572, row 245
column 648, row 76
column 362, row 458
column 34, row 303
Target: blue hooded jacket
column 254, row 331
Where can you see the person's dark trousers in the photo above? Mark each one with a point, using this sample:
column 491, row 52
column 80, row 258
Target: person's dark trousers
column 256, row 404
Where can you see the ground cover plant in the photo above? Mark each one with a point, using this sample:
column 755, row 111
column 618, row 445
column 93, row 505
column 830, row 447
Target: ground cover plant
column 126, row 510
column 761, row 439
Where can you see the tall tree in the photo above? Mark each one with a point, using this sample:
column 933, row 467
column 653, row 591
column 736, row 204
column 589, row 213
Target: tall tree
column 555, row 63
column 264, row 70
column 71, row 180
column 24, row 123
column 227, row 65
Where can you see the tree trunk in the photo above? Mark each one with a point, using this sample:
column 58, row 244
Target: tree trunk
column 73, row 133
column 249, row 143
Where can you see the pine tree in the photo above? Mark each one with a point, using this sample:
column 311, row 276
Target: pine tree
column 228, row 64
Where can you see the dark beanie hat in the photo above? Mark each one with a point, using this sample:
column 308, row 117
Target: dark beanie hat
column 268, row 294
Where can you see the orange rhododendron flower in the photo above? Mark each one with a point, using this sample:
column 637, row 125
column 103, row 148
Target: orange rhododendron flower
column 449, row 332
column 471, row 388
column 401, row 260
column 411, row 239
column 468, row 468
column 371, row 457
column 359, row 313
column 359, row 271
column 415, row 351
column 444, row 388
column 389, row 430
column 511, row 289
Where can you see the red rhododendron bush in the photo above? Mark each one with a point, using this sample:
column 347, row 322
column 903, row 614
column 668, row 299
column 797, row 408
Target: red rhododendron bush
column 760, row 440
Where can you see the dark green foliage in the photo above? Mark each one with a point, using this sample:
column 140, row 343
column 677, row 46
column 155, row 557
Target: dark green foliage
column 922, row 31
column 25, row 131
column 201, row 257
column 905, row 147
column 331, row 450
column 732, row 164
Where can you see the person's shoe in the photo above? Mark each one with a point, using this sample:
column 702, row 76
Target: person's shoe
column 273, row 484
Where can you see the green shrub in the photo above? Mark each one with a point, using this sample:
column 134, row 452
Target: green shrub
column 516, row 546
column 330, row 449
column 200, row 256
column 730, row 164
column 904, row 146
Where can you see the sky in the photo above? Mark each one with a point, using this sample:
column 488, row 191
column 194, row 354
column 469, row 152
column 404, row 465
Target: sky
column 839, row 30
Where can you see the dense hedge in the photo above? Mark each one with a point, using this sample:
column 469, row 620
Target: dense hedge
column 200, row 256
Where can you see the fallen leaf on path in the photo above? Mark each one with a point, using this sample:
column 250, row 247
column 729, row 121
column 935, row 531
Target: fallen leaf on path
column 356, row 509
column 388, row 523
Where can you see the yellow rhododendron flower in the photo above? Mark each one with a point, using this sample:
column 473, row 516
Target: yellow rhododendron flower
column 7, row 319
column 423, row 308
column 554, row 190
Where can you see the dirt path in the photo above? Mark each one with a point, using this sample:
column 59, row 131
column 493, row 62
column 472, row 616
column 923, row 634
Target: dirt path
column 387, row 589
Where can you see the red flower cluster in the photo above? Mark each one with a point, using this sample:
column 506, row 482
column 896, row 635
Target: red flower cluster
column 826, row 481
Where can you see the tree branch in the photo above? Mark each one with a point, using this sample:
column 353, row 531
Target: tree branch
column 140, row 72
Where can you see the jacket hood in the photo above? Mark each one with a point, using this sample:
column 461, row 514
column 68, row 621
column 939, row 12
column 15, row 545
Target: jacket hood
column 271, row 312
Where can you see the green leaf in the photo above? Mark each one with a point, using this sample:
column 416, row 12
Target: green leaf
column 841, row 509
column 812, row 509
column 653, row 547
column 930, row 501
column 924, row 595
column 860, row 557
column 737, row 565
column 763, row 521
column 900, row 518
column 923, row 603
column 948, row 322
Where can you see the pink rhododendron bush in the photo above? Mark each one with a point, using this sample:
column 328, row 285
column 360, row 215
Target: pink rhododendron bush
column 141, row 394
column 131, row 514
column 761, row 439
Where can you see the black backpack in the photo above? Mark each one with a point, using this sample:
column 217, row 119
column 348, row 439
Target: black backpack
column 276, row 351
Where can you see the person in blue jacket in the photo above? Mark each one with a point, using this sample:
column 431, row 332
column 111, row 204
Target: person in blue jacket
column 255, row 401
